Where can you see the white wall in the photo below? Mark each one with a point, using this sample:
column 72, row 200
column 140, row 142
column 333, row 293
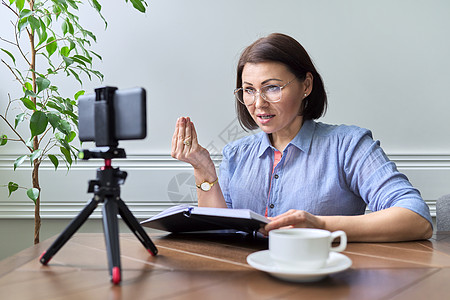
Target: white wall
column 385, row 64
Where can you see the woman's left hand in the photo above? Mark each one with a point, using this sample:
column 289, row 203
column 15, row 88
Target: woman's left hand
column 294, row 218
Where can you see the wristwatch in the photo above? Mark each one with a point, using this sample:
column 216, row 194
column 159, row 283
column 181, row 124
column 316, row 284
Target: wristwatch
column 206, row 186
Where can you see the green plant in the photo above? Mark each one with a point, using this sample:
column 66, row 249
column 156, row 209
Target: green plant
column 48, row 41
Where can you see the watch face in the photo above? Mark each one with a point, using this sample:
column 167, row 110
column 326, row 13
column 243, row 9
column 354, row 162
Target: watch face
column 205, row 186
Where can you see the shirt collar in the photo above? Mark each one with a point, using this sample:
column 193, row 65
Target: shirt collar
column 302, row 140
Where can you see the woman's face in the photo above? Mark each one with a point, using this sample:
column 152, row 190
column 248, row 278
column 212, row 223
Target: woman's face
column 279, row 118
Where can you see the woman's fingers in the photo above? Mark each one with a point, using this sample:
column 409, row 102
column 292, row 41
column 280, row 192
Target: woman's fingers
column 283, row 215
column 181, row 134
column 175, row 138
column 187, row 133
column 295, row 218
column 193, row 133
column 286, row 219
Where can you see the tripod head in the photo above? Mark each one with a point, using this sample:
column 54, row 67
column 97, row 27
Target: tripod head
column 106, row 153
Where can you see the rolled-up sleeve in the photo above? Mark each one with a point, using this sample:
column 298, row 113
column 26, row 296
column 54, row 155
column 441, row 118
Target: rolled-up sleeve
column 371, row 175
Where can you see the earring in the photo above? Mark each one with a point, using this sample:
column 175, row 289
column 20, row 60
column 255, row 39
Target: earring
column 306, row 95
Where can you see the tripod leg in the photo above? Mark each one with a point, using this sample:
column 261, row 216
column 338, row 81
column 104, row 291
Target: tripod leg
column 111, row 229
column 68, row 232
column 136, row 228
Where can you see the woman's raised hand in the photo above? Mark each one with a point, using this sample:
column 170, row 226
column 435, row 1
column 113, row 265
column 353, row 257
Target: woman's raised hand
column 185, row 146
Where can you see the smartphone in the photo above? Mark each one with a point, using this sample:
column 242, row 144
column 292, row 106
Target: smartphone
column 130, row 115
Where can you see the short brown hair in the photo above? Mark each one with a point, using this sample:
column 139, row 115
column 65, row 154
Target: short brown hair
column 286, row 50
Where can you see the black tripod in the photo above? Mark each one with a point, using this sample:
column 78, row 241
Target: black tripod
column 106, row 189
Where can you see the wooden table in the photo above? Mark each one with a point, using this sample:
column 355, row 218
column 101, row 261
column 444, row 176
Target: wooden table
column 214, row 267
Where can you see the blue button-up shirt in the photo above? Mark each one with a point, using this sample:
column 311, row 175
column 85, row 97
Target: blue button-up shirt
column 324, row 170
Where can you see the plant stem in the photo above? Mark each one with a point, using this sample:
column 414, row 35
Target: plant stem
column 37, row 216
column 36, row 162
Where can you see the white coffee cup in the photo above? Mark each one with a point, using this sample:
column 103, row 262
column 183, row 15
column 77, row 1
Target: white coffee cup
column 303, row 248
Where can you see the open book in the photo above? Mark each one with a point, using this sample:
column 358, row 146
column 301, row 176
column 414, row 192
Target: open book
column 183, row 218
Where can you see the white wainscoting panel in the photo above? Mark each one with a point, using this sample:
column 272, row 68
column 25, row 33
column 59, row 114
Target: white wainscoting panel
column 156, row 182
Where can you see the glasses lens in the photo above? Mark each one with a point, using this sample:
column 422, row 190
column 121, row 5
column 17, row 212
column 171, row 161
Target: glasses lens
column 248, row 95
column 271, row 93
column 238, row 93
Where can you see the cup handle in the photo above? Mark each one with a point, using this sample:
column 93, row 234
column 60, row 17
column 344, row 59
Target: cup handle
column 343, row 242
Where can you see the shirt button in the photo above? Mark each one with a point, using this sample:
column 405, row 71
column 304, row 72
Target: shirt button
column 271, row 205
column 276, row 176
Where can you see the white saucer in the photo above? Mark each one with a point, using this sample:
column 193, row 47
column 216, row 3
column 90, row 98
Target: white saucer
column 261, row 260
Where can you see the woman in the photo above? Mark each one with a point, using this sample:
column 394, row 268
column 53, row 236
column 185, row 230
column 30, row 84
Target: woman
column 298, row 172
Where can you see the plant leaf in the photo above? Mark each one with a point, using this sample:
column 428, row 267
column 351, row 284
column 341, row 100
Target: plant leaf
column 28, row 103
column 3, row 140
column 51, row 46
column 64, row 51
column 42, row 84
column 54, row 160
column 71, row 30
column 19, row 161
column 64, row 126
column 42, row 37
column 66, row 154
column 38, row 123
column 138, row 5
column 60, row 137
column 22, row 24
column 65, row 27
column 76, row 76
column 73, row 4
column 12, row 187
column 20, row 4
column 67, row 60
column 28, row 86
column 10, row 55
column 72, row 115
column 29, row 93
column 79, row 61
column 96, row 54
column 34, row 23
column 78, row 94
column 18, row 119
column 42, row 33
column 97, row 5
column 86, row 59
column 47, row 20
column 35, row 154
column 98, row 8
column 71, row 136
column 33, row 194
column 53, row 119
column 25, row 13
column 68, row 103
column 55, row 106
column 72, row 45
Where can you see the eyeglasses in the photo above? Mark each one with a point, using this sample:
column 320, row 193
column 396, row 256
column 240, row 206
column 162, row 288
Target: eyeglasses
column 270, row 93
